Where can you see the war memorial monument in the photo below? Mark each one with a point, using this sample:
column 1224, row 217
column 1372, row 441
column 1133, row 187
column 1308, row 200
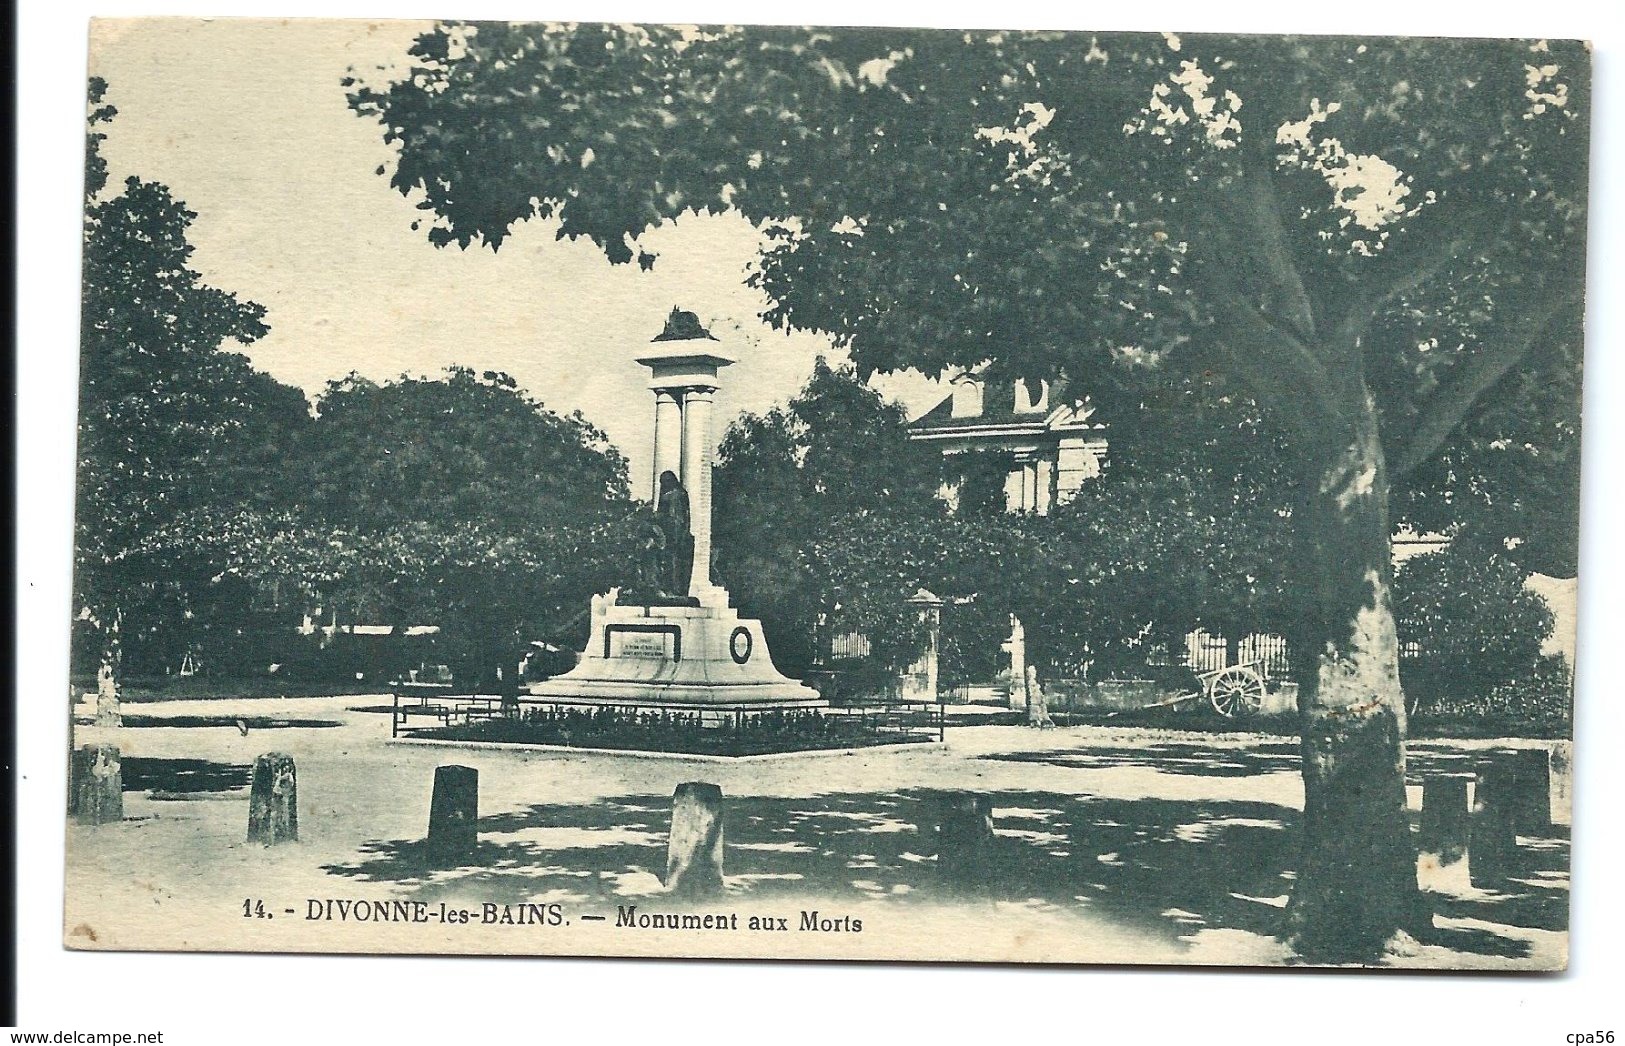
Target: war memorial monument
column 678, row 643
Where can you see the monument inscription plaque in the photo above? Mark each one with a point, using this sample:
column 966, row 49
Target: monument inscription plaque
column 661, row 645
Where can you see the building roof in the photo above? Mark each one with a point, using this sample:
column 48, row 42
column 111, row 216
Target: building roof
column 998, row 409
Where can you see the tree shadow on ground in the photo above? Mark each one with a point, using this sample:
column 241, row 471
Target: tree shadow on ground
column 1195, row 759
column 1167, row 868
column 1173, row 757
column 1535, row 895
column 181, row 776
column 175, row 722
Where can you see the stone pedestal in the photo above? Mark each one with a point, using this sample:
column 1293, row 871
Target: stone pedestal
column 966, row 844
column 919, row 682
column 1016, row 648
column 1532, row 795
column 686, row 656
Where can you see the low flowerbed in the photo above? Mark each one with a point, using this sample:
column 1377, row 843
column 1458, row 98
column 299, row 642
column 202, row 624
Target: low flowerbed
column 694, row 733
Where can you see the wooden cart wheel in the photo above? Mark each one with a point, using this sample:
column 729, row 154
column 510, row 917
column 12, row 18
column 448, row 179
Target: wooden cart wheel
column 1236, row 692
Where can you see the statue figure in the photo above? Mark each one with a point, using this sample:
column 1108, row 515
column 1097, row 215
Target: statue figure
column 677, row 551
column 652, row 570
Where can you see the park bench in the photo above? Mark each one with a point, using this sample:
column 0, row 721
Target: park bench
column 424, row 699
column 490, row 706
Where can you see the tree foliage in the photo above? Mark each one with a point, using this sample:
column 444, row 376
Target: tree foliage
column 1475, row 624
column 204, row 483
column 945, row 198
column 1373, row 238
column 460, row 448
column 171, row 421
column 462, row 502
column 803, row 497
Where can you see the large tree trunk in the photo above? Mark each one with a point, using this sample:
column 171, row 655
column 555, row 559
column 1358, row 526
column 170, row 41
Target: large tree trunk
column 1356, row 887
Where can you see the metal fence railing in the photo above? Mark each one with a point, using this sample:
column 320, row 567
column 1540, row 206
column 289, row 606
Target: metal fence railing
column 419, row 710
column 1208, row 652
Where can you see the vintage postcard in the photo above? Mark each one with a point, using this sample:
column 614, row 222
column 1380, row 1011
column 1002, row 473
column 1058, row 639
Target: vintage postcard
column 809, row 493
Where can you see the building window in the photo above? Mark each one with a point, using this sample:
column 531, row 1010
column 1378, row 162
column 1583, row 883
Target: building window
column 967, row 397
column 1032, row 397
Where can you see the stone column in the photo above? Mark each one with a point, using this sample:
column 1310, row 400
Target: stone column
column 697, row 479
column 1043, row 473
column 1016, row 647
column 920, row 681
column 1013, row 492
column 668, row 439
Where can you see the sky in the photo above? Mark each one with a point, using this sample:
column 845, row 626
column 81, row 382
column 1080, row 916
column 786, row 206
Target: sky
column 246, row 121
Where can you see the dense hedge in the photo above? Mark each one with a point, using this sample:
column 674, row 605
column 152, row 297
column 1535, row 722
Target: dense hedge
column 1539, row 702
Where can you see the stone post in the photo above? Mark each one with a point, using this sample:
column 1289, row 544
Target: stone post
column 668, row 439
column 1445, row 817
column 454, row 814
column 1016, row 647
column 1562, row 769
column 920, row 682
column 273, row 800
column 965, row 841
column 697, row 480
column 694, row 847
column 98, row 785
column 1493, row 843
column 1532, row 795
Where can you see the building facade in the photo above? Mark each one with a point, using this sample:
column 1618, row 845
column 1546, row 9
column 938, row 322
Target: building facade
column 1045, row 441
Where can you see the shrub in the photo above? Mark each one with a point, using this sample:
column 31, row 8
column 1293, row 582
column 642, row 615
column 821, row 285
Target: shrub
column 1537, row 703
column 1468, row 623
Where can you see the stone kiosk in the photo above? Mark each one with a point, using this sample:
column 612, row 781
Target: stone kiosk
column 689, row 648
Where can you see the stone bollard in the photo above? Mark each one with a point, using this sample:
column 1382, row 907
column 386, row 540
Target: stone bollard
column 1532, row 791
column 1562, row 768
column 454, row 812
column 273, row 800
column 1493, row 843
column 965, row 841
column 98, row 785
column 694, row 848
column 1445, row 815
column 107, row 700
